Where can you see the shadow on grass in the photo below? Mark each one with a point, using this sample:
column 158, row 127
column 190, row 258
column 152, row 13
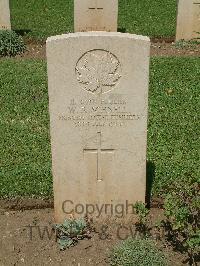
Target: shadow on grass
column 149, row 181
column 22, row 32
column 122, row 30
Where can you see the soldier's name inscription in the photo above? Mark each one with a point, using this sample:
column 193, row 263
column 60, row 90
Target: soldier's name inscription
column 98, row 113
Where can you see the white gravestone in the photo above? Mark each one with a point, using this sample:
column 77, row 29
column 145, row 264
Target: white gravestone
column 95, row 15
column 188, row 20
column 98, row 97
column 4, row 15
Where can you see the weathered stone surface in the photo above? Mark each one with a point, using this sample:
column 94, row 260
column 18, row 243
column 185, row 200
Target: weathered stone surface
column 95, row 15
column 98, row 96
column 4, row 15
column 188, row 20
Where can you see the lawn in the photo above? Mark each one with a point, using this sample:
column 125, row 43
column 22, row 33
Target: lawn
column 40, row 19
column 25, row 160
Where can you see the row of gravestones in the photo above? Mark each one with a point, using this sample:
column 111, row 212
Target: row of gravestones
column 98, row 102
column 94, row 15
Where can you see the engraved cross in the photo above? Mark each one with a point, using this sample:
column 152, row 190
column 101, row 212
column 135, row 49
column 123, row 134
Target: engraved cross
column 98, row 151
column 96, row 7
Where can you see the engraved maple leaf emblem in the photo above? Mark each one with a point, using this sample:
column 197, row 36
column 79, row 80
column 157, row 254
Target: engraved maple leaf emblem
column 98, row 71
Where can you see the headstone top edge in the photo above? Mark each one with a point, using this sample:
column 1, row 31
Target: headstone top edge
column 98, row 34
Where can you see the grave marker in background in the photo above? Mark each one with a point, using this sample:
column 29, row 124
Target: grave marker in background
column 95, row 15
column 4, row 15
column 98, row 97
column 188, row 20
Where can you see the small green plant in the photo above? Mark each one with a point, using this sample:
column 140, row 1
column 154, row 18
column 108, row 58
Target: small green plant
column 182, row 210
column 11, row 44
column 137, row 252
column 197, row 39
column 142, row 213
column 71, row 231
column 182, row 44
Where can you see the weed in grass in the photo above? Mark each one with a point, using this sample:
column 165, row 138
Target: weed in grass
column 182, row 210
column 11, row 44
column 182, row 44
column 142, row 213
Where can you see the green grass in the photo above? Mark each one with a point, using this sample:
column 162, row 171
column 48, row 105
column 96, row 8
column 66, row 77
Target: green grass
column 43, row 18
column 25, row 160
column 40, row 19
column 173, row 131
column 25, row 164
column 154, row 18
